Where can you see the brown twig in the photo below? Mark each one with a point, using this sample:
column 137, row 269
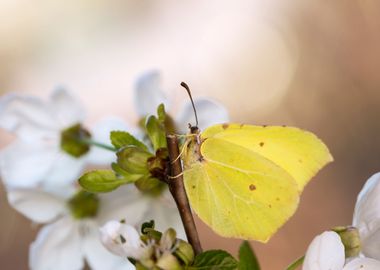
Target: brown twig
column 178, row 192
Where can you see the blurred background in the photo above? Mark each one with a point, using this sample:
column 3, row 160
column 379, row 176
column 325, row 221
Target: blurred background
column 312, row 64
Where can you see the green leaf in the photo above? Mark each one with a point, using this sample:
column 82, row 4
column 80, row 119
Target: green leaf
column 294, row 265
column 247, row 258
column 214, row 260
column 101, row 181
column 120, row 139
column 156, row 133
column 161, row 113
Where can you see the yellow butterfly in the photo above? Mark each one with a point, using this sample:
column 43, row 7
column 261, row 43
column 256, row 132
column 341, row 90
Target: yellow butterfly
column 245, row 181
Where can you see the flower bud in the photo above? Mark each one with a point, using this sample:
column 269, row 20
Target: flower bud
column 133, row 160
column 150, row 185
column 122, row 239
column 168, row 239
column 185, row 252
column 351, row 240
column 168, row 262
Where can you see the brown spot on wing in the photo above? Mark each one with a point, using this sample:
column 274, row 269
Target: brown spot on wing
column 252, row 187
column 225, row 126
column 261, row 144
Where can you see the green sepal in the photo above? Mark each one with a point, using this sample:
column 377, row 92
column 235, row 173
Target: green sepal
column 156, row 132
column 168, row 262
column 120, row 139
column 214, row 259
column 139, row 266
column 150, row 185
column 161, row 113
column 133, row 159
column 184, row 252
column 247, row 257
column 147, row 226
column 73, row 140
column 101, row 181
column 120, row 173
column 350, row 239
column 83, row 205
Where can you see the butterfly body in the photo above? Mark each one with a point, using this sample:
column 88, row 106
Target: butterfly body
column 245, row 181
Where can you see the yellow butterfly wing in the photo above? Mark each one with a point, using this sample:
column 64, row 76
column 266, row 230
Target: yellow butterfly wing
column 244, row 181
column 298, row 152
column 237, row 192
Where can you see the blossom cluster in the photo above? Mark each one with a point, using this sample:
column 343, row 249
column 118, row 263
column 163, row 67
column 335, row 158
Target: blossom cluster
column 354, row 247
column 41, row 166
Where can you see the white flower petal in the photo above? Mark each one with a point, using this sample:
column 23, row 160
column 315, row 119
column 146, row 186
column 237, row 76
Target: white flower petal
column 67, row 109
column 367, row 217
column 326, row 251
column 121, row 239
column 26, row 164
column 98, row 257
column 101, row 133
column 148, row 94
column 64, row 170
column 124, row 203
column 28, row 117
column 209, row 112
column 371, row 244
column 39, row 206
column 58, row 247
column 363, row 264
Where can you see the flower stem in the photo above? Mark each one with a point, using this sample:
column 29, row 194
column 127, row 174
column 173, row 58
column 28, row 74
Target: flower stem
column 178, row 192
column 294, row 265
column 98, row 144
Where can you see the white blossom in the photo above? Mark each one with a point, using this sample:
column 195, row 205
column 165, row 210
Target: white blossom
column 122, row 239
column 326, row 251
column 65, row 242
column 148, row 94
column 35, row 157
column 367, row 217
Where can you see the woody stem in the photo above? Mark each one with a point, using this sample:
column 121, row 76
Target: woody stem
column 177, row 189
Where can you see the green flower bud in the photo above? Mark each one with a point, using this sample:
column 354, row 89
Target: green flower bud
column 351, row 240
column 168, row 262
column 133, row 160
column 184, row 252
column 73, row 140
column 84, row 204
column 150, row 185
column 168, row 239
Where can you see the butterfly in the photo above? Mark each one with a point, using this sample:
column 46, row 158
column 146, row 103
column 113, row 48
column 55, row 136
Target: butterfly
column 245, row 181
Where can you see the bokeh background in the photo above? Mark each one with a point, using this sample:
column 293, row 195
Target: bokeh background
column 312, row 64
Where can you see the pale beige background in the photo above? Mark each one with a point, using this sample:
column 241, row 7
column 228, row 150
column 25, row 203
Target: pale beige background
column 310, row 64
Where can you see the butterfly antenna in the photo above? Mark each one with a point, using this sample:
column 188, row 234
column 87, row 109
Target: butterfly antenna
column 184, row 85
